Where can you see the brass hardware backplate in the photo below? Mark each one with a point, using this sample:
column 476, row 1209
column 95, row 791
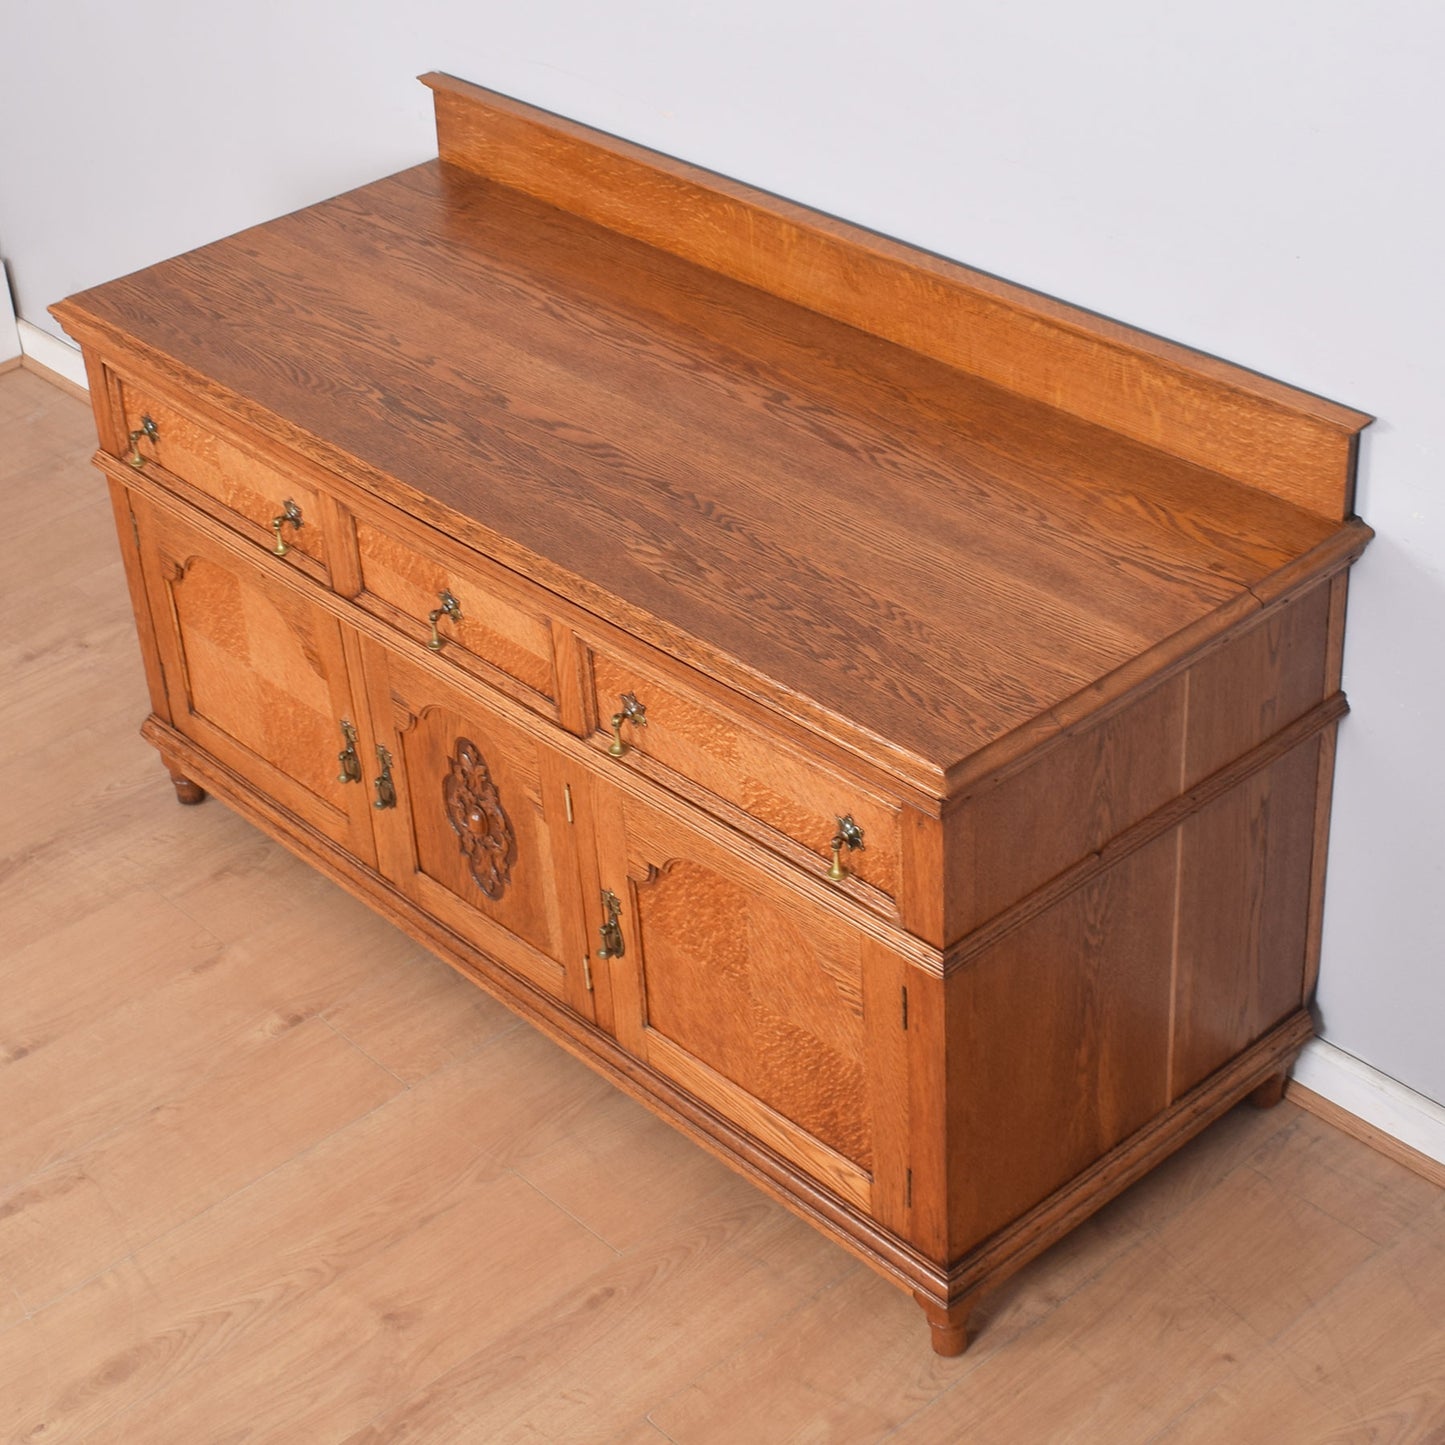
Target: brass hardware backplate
column 385, row 788
column 610, row 928
column 350, row 763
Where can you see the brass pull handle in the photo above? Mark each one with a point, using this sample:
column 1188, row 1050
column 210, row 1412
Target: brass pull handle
column 632, row 711
column 290, row 516
column 450, row 607
column 148, row 429
column 610, row 928
column 385, row 788
column 849, row 836
column 350, row 763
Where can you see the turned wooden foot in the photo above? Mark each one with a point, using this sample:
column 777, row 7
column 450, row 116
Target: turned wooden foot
column 1269, row 1093
column 186, row 791
column 948, row 1327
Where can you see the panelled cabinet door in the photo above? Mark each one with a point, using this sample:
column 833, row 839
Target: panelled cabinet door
column 256, row 675
column 475, row 828
column 753, row 998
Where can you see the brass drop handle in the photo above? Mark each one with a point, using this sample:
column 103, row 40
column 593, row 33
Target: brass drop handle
column 450, row 607
column 385, row 788
column 610, row 928
column 147, row 428
column 290, row 517
column 849, row 836
column 632, row 711
column 350, row 763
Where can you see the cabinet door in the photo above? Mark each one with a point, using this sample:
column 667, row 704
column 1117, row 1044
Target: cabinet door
column 479, row 834
column 755, row 998
column 255, row 674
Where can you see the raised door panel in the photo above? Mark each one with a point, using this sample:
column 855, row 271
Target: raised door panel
column 479, row 835
column 740, row 989
column 256, row 675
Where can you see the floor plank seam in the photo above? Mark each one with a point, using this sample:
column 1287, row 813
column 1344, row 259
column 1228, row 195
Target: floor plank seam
column 1375, row 1250
column 369, row 1057
column 799, row 1307
column 518, row 1175
column 222, row 1200
column 34, row 1312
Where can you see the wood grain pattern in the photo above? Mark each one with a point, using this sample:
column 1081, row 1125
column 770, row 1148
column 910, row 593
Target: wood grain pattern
column 1082, row 790
column 1258, row 683
column 127, row 531
column 495, row 630
column 1233, row 421
column 712, row 434
column 1050, row 1087
column 733, row 757
column 529, row 918
column 1318, row 722
column 1334, row 667
column 1080, row 793
column 1244, row 870
column 1332, row 1387
column 246, row 491
column 773, row 1172
column 433, row 1268
column 281, row 1090
column 728, row 969
column 1146, row 1149
column 1357, row 1128
column 1097, row 675
column 254, row 671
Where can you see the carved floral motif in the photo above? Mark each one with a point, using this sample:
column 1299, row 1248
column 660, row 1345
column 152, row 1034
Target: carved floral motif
column 475, row 812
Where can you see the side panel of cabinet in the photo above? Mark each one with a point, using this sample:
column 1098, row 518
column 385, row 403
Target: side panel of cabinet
column 1138, row 987
column 757, row 1001
column 479, row 834
column 255, row 673
column 1058, row 1041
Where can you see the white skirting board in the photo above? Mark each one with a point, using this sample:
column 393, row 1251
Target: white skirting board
column 9, row 332
column 1374, row 1097
column 1322, row 1068
column 52, row 353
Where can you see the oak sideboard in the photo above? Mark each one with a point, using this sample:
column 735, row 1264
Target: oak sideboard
column 879, row 716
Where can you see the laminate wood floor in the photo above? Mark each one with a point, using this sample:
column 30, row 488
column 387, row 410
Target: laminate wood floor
column 269, row 1172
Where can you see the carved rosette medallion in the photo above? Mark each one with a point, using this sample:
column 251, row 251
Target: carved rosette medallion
column 475, row 812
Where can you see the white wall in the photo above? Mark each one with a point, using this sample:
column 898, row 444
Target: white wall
column 1258, row 178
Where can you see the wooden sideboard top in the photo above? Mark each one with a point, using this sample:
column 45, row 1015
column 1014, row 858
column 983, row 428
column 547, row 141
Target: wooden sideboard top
column 932, row 568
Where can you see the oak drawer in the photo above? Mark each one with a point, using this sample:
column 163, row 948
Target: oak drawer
column 258, row 498
column 740, row 761
column 460, row 607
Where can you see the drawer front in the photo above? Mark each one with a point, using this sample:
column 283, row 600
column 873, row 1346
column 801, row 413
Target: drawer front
column 731, row 757
column 249, row 494
column 489, row 627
